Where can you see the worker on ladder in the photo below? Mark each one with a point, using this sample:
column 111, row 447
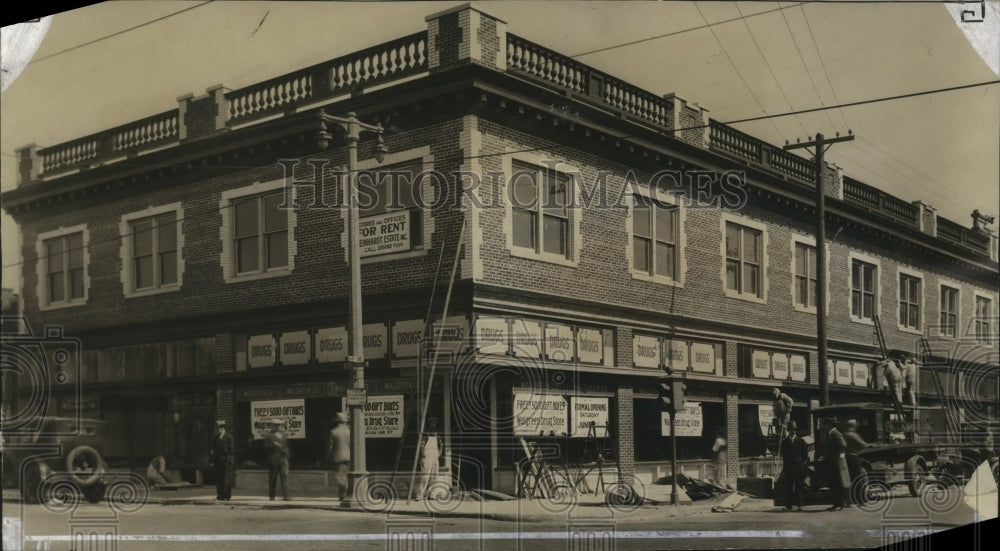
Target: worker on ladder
column 782, row 410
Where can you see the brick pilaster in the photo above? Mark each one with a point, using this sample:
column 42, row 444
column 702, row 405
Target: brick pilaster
column 29, row 164
column 203, row 115
column 625, row 432
column 462, row 35
column 689, row 121
column 732, row 436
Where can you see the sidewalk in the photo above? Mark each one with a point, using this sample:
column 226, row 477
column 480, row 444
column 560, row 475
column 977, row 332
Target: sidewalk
column 514, row 510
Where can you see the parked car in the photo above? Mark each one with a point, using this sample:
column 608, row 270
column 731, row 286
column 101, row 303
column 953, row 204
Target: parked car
column 78, row 468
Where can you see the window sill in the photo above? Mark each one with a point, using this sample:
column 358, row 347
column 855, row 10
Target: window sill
column 148, row 292
column 662, row 280
column 259, row 275
column 862, row 321
column 911, row 330
column 744, row 296
column 414, row 253
column 805, row 309
column 549, row 258
column 64, row 304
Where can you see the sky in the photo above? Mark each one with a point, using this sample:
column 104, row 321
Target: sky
column 111, row 63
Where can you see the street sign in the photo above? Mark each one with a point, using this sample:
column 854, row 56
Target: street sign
column 356, row 396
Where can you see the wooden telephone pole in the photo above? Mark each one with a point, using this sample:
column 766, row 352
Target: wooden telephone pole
column 820, row 145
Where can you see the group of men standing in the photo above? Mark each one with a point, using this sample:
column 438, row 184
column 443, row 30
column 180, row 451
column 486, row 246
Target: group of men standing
column 338, row 458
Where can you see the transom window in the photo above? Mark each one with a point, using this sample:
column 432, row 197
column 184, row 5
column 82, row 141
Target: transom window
column 154, row 251
column 982, row 323
column 805, row 275
column 64, row 268
column 260, row 233
column 863, row 280
column 949, row 310
column 394, row 188
column 909, row 301
column 743, row 257
column 539, row 201
column 654, row 238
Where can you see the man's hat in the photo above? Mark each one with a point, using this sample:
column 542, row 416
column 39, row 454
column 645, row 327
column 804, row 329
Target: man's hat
column 792, row 426
column 220, row 422
column 339, row 418
column 852, row 424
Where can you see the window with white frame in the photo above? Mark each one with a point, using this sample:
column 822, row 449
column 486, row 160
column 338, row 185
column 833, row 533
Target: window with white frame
column 805, row 275
column 154, row 251
column 393, row 189
column 982, row 321
column 540, row 201
column 864, row 280
column 654, row 238
column 64, row 268
column 910, row 301
column 743, row 259
column 260, row 233
column 949, row 311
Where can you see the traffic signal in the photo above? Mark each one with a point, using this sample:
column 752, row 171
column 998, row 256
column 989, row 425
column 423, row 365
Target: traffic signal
column 678, row 397
column 667, row 395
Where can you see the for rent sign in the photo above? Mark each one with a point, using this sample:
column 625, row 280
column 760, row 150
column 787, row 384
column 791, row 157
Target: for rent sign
column 385, row 233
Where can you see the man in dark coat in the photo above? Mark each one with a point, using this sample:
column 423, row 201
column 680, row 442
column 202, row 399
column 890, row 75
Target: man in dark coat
column 836, row 465
column 794, row 456
column 855, row 443
column 277, row 461
column 223, row 456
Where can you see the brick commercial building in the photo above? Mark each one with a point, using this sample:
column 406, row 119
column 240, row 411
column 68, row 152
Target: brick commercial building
column 600, row 234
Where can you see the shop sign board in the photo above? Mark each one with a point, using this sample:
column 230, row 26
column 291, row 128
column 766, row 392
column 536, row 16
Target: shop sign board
column 761, row 364
column 590, row 345
column 375, row 342
column 779, row 366
column 797, row 367
column 384, row 233
column 296, row 348
column 843, row 370
column 588, row 410
column 331, row 345
column 384, row 416
column 260, row 351
column 688, row 422
column 703, row 357
column 451, row 336
column 264, row 414
column 558, row 342
column 491, row 335
column 526, row 338
column 861, row 374
column 536, row 414
column 676, row 355
column 406, row 338
column 645, row 351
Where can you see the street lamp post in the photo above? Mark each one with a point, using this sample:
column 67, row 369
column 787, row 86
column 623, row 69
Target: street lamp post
column 352, row 128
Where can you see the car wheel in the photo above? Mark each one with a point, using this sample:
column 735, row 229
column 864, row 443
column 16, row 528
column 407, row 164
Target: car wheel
column 917, row 475
column 83, row 464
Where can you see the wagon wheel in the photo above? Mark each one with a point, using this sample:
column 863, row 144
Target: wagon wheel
column 917, row 479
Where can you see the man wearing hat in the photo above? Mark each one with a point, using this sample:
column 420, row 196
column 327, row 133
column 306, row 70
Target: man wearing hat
column 223, row 456
column 338, row 453
column 277, row 461
column 855, row 443
column 795, row 457
column 836, row 464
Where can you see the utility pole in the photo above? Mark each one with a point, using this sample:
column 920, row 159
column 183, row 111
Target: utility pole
column 820, row 145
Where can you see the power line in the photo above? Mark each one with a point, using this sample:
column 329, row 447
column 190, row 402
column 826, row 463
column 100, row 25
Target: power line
column 822, row 63
column 682, row 31
column 768, row 65
column 737, row 70
column 117, row 33
column 798, row 50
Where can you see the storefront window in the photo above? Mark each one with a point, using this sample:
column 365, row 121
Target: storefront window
column 753, row 425
column 307, row 452
column 651, row 445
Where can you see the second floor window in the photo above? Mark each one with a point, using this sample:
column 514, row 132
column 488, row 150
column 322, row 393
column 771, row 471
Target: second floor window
column 260, row 233
column 949, row 310
column 64, row 268
column 654, row 238
column 540, row 210
column 982, row 322
column 743, row 256
column 863, row 279
column 909, row 301
column 154, row 251
column 805, row 275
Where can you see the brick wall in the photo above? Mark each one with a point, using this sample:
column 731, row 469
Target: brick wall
column 625, row 431
column 732, row 435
